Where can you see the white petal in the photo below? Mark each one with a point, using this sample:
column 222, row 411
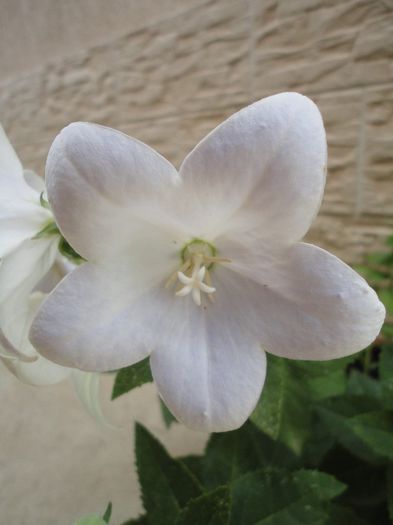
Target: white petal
column 95, row 319
column 39, row 373
column 87, row 386
column 10, row 165
column 260, row 175
column 21, row 216
column 34, row 181
column 105, row 188
column 208, row 370
column 15, row 323
column 305, row 304
column 23, row 268
column 20, row 220
column 16, row 317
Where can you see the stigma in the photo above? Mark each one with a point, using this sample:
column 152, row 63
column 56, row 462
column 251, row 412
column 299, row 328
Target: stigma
column 193, row 277
column 194, row 284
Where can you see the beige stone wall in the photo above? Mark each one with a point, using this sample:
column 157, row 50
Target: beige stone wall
column 167, row 71
column 184, row 66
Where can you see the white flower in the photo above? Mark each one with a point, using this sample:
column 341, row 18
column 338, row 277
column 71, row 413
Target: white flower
column 243, row 199
column 22, row 360
column 28, row 246
column 17, row 353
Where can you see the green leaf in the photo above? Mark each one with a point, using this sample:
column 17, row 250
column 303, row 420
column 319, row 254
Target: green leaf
column 108, row 513
column 362, row 385
column 167, row 485
column 283, row 411
column 278, row 497
column 376, row 430
column 386, row 296
column 322, row 379
column 343, row 516
column 231, row 454
column 131, row 377
column 167, row 415
column 212, row 508
column 90, row 520
column 337, row 415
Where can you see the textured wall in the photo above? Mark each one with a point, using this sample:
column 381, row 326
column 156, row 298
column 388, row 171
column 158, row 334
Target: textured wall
column 178, row 73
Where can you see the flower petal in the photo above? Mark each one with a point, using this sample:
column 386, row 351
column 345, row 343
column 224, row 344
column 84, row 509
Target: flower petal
column 305, row 304
column 23, row 268
column 260, row 175
column 207, row 368
column 21, row 216
column 15, row 323
column 95, row 319
column 39, row 373
column 10, row 165
column 114, row 185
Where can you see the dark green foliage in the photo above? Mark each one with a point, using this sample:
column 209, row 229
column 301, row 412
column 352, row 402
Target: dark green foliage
column 278, row 497
column 212, row 508
column 167, row 484
column 130, row 377
column 230, row 455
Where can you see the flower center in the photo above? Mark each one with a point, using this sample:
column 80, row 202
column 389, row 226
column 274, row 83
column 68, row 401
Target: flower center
column 193, row 276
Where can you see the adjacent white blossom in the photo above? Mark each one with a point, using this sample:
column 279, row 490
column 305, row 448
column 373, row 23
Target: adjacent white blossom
column 228, row 224
column 16, row 351
column 26, row 251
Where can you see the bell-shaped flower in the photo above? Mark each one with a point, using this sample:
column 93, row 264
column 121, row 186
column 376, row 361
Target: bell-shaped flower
column 29, row 238
column 202, row 268
column 16, row 351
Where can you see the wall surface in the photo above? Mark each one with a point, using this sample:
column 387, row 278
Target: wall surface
column 167, row 72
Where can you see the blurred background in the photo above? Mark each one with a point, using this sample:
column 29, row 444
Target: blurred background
column 167, row 72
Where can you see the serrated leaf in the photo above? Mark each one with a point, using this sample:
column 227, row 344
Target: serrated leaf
column 376, row 430
column 279, row 497
column 167, row 485
column 231, row 454
column 337, row 415
column 283, row 411
column 131, row 377
column 211, row 508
